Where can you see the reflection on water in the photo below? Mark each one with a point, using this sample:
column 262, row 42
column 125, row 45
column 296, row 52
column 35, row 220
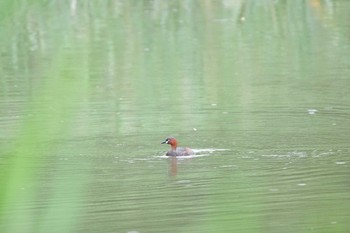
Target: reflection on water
column 88, row 89
column 173, row 166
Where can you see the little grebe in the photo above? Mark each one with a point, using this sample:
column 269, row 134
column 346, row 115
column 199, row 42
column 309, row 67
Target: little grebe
column 177, row 151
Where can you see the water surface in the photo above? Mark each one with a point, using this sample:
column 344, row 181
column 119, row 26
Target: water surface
column 259, row 89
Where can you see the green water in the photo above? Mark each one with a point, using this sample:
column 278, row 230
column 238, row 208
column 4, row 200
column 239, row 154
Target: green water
column 260, row 89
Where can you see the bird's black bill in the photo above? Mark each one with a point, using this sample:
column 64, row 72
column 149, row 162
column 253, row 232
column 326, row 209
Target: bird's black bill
column 165, row 142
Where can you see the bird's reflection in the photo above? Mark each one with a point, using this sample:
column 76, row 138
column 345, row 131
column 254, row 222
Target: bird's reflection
column 172, row 169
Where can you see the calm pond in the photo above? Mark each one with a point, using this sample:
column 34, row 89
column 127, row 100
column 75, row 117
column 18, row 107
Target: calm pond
column 259, row 89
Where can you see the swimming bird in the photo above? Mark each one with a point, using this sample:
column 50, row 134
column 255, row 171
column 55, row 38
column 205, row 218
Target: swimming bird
column 176, row 151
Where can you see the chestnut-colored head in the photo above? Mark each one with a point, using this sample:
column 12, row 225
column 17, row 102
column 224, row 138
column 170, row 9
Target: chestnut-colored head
column 171, row 141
